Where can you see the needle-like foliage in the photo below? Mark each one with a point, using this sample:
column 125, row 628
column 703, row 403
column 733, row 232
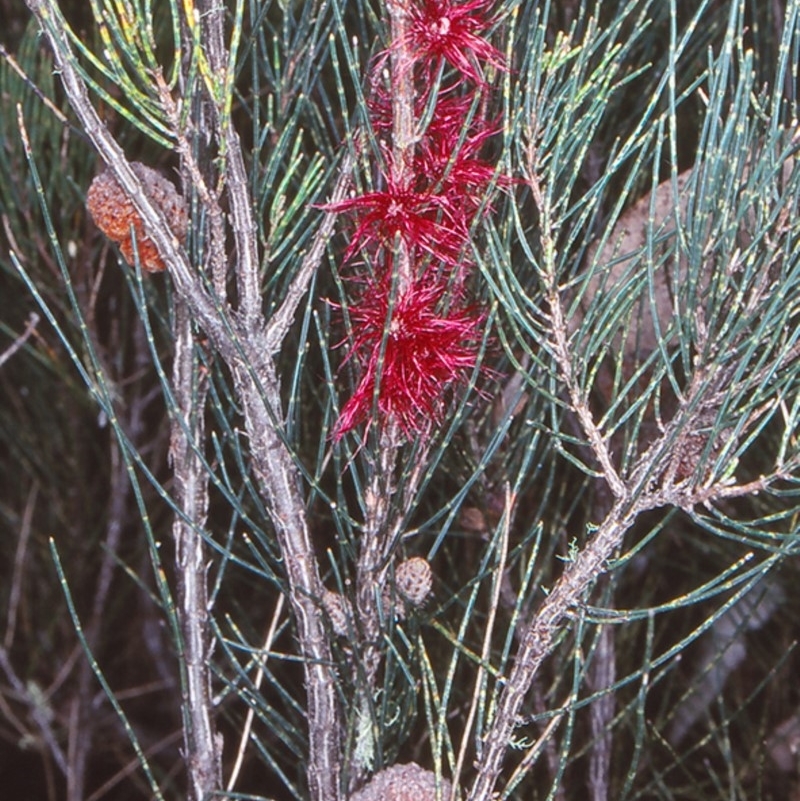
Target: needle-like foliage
column 429, row 427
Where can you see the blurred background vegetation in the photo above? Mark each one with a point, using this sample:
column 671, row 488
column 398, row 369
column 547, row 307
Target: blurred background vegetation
column 706, row 699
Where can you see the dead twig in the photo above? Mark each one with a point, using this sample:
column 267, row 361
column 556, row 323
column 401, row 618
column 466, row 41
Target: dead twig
column 30, row 327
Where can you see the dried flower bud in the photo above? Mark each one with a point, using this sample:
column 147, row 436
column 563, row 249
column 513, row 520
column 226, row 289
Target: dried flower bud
column 403, row 783
column 114, row 213
column 338, row 611
column 472, row 519
column 414, row 580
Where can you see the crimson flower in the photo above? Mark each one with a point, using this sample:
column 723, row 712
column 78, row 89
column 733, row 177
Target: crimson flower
column 415, row 351
column 444, row 29
column 456, row 173
column 447, row 120
column 422, row 220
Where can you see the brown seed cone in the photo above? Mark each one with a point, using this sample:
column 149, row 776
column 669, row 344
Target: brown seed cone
column 414, row 580
column 338, row 610
column 403, row 783
column 114, row 213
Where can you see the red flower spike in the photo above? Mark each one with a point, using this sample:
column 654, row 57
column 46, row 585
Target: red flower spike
column 443, row 29
column 414, row 349
column 426, row 352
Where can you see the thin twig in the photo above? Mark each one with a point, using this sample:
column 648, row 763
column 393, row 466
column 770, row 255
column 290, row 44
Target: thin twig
column 532, row 754
column 132, row 766
column 41, row 717
column 19, row 566
column 248, row 723
column 82, row 736
column 48, row 103
column 30, row 327
column 578, row 399
column 242, row 218
column 216, row 260
column 499, row 574
column 559, row 334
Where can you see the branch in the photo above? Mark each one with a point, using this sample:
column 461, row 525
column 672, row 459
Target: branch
column 201, row 742
column 242, row 220
column 578, row 399
column 539, row 638
column 280, row 322
column 403, row 133
column 383, row 514
column 258, row 387
column 559, row 333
